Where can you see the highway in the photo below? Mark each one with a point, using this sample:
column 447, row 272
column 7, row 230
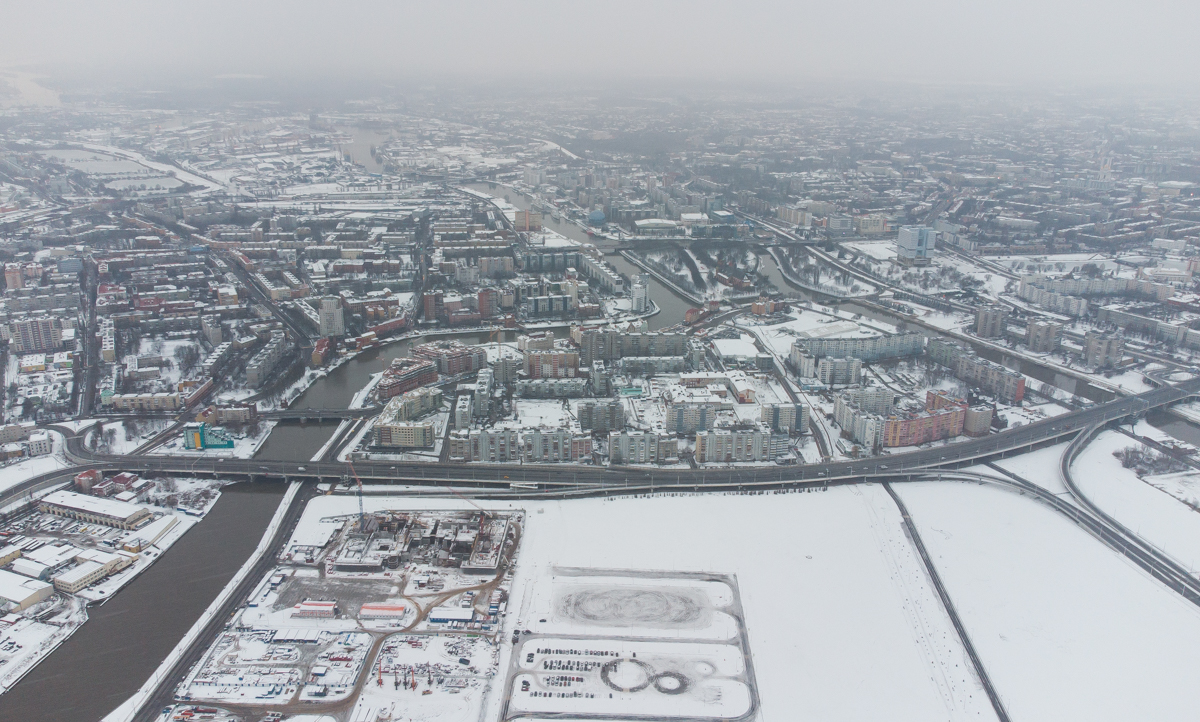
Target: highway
column 1142, row 553
column 1096, row 523
column 574, row 480
column 558, row 481
column 981, row 671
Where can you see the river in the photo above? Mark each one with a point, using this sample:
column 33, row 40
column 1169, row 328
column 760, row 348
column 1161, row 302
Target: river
column 294, row 441
column 672, row 307
column 125, row 639
column 361, row 142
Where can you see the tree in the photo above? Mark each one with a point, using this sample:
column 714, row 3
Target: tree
column 187, row 357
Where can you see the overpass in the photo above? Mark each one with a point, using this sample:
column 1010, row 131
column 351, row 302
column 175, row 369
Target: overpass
column 563, row 480
column 311, row 414
column 305, row 414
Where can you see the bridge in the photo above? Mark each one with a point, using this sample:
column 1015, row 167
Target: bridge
column 320, row 414
column 306, row 414
column 565, row 481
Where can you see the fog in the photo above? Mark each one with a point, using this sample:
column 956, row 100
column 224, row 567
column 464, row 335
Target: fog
column 1021, row 42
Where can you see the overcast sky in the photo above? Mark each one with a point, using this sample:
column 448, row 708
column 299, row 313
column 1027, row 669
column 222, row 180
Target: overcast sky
column 995, row 41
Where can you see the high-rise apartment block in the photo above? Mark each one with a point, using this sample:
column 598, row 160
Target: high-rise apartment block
column 1042, row 336
column 332, row 320
column 1103, row 349
column 991, row 321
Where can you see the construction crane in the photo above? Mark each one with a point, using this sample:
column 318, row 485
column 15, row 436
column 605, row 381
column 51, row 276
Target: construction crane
column 362, row 516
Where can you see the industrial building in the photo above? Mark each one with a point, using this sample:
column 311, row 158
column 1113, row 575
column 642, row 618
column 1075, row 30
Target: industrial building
column 94, row 510
column 18, row 593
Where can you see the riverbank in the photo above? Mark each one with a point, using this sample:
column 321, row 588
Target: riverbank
column 632, row 258
column 126, row 711
column 52, row 639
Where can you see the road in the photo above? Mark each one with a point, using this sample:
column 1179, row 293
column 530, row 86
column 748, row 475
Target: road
column 948, row 605
column 301, row 334
column 581, row 480
column 164, row 694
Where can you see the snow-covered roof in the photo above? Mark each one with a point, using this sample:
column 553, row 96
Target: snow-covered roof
column 16, row 588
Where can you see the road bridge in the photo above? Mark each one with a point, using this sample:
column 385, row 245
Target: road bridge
column 320, row 414
column 571, row 480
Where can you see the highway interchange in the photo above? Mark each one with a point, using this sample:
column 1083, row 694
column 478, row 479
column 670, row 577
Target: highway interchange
column 516, row 481
column 583, row 480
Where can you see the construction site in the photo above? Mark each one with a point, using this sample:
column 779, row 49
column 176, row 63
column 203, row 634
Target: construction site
column 363, row 610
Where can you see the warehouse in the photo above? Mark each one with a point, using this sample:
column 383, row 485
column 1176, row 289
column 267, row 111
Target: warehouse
column 21, row 592
column 449, row 615
column 93, row 566
column 94, row 510
column 79, row 577
column 382, row 610
column 150, row 534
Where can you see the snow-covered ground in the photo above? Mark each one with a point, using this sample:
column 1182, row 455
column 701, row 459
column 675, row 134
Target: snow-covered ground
column 19, row 471
column 1067, row 628
column 26, row 640
column 1040, row 467
column 842, row 621
column 124, row 442
column 245, row 446
column 1021, row 415
column 1147, row 511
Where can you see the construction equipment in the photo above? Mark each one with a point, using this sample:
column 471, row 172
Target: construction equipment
column 362, row 516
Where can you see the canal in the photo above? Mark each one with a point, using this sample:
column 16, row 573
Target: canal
column 125, row 639
column 672, row 307
column 295, row 441
column 1176, row 426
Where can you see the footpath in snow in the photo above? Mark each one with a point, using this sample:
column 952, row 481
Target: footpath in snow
column 1067, row 628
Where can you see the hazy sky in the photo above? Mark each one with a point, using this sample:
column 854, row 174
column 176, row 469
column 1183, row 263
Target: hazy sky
column 994, row 41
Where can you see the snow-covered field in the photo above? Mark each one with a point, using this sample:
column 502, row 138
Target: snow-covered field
column 1149, row 512
column 1039, row 467
column 842, row 621
column 125, row 442
column 1067, row 629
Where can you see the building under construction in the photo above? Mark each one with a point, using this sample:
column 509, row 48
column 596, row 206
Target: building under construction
column 471, row 540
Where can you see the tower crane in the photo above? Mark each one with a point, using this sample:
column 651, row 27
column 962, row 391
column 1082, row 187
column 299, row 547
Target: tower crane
column 362, row 516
